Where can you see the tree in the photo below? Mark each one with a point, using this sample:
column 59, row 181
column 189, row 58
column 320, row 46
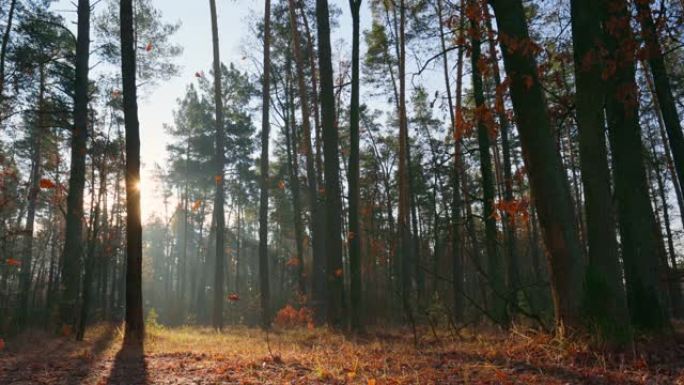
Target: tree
column 484, row 120
column 73, row 250
column 641, row 246
column 3, row 45
column 135, row 328
column 550, row 188
column 354, row 235
column 219, row 215
column 263, row 198
column 604, row 298
column 332, row 195
column 666, row 100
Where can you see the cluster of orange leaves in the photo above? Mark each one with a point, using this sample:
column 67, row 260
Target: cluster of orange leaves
column 13, row 262
column 513, row 208
column 47, row 184
column 289, row 317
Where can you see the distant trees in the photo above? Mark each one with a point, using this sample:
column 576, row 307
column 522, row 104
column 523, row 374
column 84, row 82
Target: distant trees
column 414, row 177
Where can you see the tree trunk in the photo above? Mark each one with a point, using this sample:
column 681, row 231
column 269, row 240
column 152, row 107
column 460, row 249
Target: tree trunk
column 293, row 169
column 640, row 243
column 666, row 101
column 353, row 177
column 316, row 221
column 497, row 303
column 3, row 47
column 549, row 186
column 135, row 328
column 509, row 221
column 263, row 199
column 457, row 241
column 34, row 190
column 333, row 205
column 219, row 164
column 71, row 267
column 604, row 298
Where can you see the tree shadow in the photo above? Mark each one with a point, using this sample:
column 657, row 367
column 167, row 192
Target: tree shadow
column 48, row 353
column 129, row 366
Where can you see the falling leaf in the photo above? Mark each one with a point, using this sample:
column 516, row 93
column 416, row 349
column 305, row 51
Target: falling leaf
column 218, row 179
column 13, row 262
column 233, row 297
column 2, row 344
column 196, row 205
column 294, row 261
column 148, row 48
column 281, row 184
column 47, row 184
column 351, row 235
column 338, row 273
column 371, row 381
column 116, row 93
column 199, row 74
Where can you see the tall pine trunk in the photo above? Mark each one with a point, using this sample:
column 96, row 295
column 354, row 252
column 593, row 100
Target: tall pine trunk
column 661, row 81
column 135, row 328
column 34, row 190
column 548, row 182
column 219, row 164
column 353, row 177
column 641, row 245
column 604, row 298
column 263, row 198
column 73, row 249
column 496, row 298
column 333, row 204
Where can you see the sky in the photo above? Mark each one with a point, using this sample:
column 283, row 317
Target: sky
column 156, row 105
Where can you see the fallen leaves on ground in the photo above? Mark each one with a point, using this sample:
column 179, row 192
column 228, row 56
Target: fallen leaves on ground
column 240, row 355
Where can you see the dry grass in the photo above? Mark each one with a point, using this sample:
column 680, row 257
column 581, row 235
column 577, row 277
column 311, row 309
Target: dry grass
column 191, row 355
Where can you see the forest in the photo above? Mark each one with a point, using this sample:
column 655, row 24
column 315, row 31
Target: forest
column 342, row 192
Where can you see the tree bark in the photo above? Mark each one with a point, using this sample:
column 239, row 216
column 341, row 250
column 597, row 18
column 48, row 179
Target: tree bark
column 263, row 198
column 549, row 186
column 219, row 164
column 641, row 246
column 496, row 280
column 73, row 249
column 316, row 221
column 135, row 328
column 34, row 190
column 604, row 299
column 3, row 47
column 666, row 101
column 332, row 194
column 353, row 177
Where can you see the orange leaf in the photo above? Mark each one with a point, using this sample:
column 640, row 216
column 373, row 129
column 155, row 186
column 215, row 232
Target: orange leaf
column 294, row 261
column 196, row 205
column 281, row 185
column 218, row 179
column 13, row 262
column 371, row 381
column 2, row 344
column 338, row 273
column 47, row 184
column 233, row 297
column 148, row 48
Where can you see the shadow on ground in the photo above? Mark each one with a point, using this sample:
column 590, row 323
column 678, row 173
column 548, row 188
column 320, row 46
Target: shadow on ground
column 129, row 366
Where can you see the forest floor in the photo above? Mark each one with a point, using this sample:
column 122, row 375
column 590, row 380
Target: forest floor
column 241, row 356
